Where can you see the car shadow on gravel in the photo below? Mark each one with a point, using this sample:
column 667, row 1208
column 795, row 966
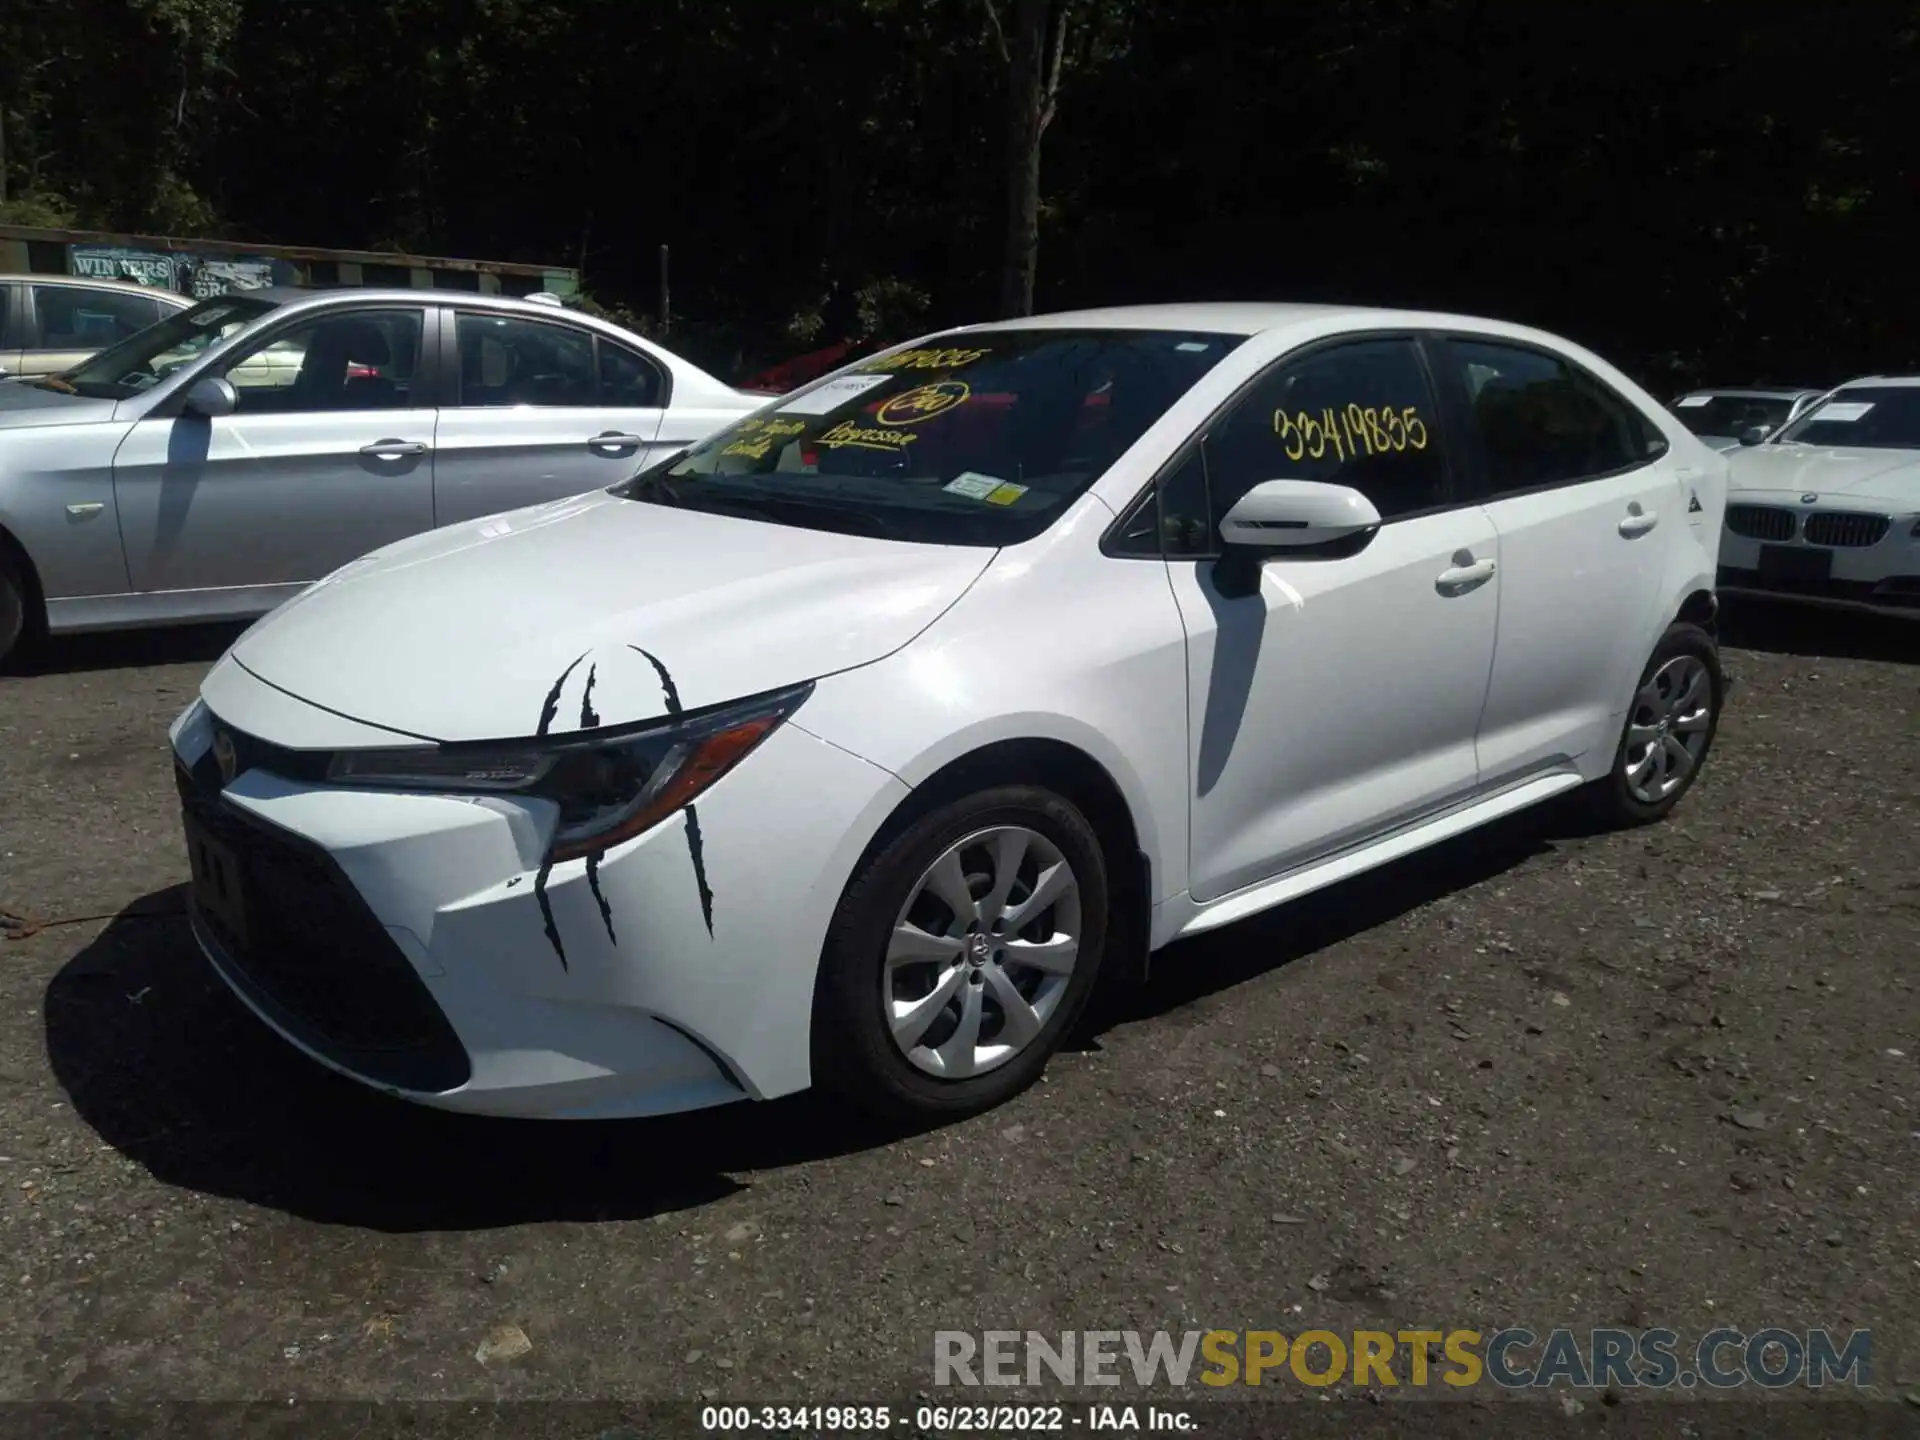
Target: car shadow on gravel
column 1783, row 628
column 168, row 1068
column 122, row 649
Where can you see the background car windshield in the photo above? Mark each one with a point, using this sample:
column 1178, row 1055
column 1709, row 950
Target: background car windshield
column 1877, row 417
column 968, row 439
column 148, row 356
column 1729, row 415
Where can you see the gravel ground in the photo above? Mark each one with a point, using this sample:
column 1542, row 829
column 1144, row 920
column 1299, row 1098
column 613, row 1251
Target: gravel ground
column 1539, row 1076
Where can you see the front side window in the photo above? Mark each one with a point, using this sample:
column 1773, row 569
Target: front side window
column 970, row 439
column 1873, row 417
column 73, row 317
column 357, row 360
column 145, row 359
column 1359, row 413
column 1730, row 415
column 1539, row 421
column 506, row 361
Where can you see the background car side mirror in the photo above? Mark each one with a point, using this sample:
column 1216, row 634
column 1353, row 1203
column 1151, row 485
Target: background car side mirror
column 212, row 396
column 1754, row 435
column 1297, row 515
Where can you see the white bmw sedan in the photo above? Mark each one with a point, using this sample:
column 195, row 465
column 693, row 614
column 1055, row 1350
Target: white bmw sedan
column 855, row 744
column 1828, row 511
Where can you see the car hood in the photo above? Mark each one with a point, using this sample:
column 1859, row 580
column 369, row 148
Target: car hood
column 1889, row 475
column 24, row 403
column 595, row 611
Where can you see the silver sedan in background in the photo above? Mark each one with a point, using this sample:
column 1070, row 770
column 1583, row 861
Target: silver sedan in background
column 214, row 464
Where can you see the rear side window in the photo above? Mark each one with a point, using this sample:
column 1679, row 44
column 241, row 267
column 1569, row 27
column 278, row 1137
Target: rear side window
column 73, row 317
column 505, row 361
column 1540, row 421
column 628, row 380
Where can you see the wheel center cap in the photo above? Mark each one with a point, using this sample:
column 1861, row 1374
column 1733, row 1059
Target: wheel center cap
column 979, row 950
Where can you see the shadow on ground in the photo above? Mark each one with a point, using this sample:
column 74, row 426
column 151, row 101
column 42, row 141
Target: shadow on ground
column 167, row 1067
column 1787, row 629
column 122, row 649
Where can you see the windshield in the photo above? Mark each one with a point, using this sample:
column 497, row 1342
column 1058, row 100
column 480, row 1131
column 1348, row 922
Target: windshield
column 973, row 439
column 1730, row 415
column 1874, row 417
column 148, row 356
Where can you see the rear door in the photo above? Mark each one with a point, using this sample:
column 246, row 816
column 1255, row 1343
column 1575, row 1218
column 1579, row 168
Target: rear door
column 537, row 409
column 67, row 323
column 1587, row 500
column 328, row 455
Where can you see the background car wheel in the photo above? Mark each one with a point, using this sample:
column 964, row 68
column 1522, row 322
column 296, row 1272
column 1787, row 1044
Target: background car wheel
column 960, row 956
column 13, row 608
column 1669, row 730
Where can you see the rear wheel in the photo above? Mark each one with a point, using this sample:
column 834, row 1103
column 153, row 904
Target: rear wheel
column 1670, row 728
column 960, row 956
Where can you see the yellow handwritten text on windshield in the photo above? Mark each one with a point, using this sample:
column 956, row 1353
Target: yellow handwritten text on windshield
column 926, row 360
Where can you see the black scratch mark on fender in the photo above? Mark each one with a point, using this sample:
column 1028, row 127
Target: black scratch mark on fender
column 696, row 847
column 697, row 850
column 666, row 681
column 546, row 912
column 593, row 884
column 552, row 705
column 589, row 717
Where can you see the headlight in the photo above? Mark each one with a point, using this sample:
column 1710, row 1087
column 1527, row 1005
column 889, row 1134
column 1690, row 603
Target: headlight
column 610, row 786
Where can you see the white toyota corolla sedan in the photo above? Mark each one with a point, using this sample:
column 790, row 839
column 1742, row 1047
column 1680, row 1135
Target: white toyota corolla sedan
column 1828, row 511
column 856, row 743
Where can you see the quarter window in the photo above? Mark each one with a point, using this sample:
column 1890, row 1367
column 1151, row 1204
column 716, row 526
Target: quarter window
column 73, row 317
column 508, row 361
column 1358, row 414
column 360, row 360
column 1539, row 421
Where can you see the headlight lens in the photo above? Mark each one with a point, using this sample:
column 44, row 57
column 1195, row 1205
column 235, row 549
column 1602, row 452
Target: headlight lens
column 610, row 786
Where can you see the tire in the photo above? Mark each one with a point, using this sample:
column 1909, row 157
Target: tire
column 855, row 1052
column 1616, row 801
column 13, row 608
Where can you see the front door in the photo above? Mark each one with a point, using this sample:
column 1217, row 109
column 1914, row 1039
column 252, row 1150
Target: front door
column 1587, row 501
column 328, row 455
column 545, row 409
column 1341, row 700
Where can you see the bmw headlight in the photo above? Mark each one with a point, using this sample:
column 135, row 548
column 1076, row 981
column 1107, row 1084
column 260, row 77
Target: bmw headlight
column 610, row 785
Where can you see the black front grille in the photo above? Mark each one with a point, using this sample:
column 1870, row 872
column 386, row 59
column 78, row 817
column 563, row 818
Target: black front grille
column 1846, row 528
column 1760, row 522
column 317, row 960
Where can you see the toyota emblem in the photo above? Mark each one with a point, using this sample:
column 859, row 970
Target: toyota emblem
column 225, row 756
column 1808, row 499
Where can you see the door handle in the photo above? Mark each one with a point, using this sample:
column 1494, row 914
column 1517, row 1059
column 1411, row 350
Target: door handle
column 393, row 449
column 1463, row 577
column 615, row 440
column 1638, row 521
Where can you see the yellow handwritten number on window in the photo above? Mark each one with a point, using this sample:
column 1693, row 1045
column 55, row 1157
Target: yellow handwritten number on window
column 1356, row 430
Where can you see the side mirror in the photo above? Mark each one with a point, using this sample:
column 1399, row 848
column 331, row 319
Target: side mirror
column 1754, row 435
column 212, row 396
column 1297, row 515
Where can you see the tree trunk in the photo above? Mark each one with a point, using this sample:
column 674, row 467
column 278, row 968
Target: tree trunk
column 1026, row 123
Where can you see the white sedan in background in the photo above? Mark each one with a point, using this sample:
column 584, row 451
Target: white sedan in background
column 857, row 744
column 1828, row 511
column 1726, row 418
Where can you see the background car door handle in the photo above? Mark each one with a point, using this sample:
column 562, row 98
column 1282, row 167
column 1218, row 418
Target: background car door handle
column 615, row 440
column 1464, row 576
column 1638, row 522
column 393, row 449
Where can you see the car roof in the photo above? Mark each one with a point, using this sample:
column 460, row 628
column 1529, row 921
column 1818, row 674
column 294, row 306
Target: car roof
column 1891, row 381
column 90, row 282
column 303, row 297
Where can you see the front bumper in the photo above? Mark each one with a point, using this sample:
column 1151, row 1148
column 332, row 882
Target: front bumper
column 411, row 941
column 1784, row 558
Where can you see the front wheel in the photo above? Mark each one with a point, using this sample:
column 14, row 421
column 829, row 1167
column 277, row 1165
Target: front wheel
column 960, row 955
column 13, row 608
column 1670, row 728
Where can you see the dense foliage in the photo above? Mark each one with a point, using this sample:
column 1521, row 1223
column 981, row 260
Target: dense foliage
column 1698, row 188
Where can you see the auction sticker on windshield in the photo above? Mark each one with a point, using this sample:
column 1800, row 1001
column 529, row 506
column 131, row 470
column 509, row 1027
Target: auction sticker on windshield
column 832, row 395
column 1690, row 400
column 1843, row 410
